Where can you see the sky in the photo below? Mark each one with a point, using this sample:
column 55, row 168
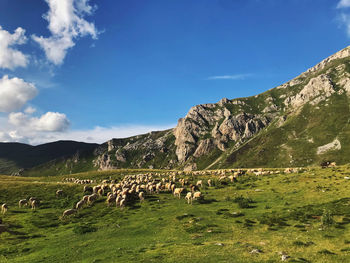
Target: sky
column 92, row 70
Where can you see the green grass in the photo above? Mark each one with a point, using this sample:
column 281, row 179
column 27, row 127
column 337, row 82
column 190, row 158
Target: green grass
column 285, row 214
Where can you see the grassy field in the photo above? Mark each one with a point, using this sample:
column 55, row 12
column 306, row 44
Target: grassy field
column 305, row 215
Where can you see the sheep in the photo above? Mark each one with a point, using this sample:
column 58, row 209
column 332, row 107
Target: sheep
column 197, row 195
column 34, row 204
column 209, row 183
column 117, row 200
column 142, row 196
column 4, row 208
column 199, row 183
column 69, row 212
column 59, row 193
column 122, row 203
column 22, row 202
column 86, row 198
column 80, row 204
column 188, row 197
column 100, row 192
column 92, row 198
column 177, row 192
column 88, row 189
column 110, row 199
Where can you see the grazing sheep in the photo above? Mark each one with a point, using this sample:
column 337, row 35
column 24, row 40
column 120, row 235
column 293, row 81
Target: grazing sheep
column 209, row 183
column 177, row 192
column 34, row 204
column 100, row 192
column 197, row 195
column 142, row 196
column 92, row 198
column 59, row 193
column 69, row 212
column 22, row 202
column 88, row 189
column 80, row 204
column 86, row 198
column 117, row 200
column 188, row 197
column 199, row 183
column 122, row 203
column 110, row 199
column 4, row 208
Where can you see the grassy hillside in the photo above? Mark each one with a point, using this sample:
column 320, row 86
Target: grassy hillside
column 305, row 215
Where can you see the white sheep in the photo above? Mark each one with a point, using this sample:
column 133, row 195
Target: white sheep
column 178, row 191
column 4, row 208
column 142, row 196
column 188, row 197
column 197, row 195
column 22, row 202
column 69, row 212
column 34, row 204
column 59, row 193
column 80, row 204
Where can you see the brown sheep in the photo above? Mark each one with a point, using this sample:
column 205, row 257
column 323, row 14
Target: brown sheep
column 22, row 202
column 4, row 208
column 69, row 212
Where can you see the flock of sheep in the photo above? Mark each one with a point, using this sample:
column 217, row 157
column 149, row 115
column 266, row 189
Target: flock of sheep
column 134, row 188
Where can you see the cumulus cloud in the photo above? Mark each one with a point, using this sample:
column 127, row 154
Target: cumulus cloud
column 11, row 58
column 232, row 77
column 343, row 4
column 66, row 24
column 49, row 122
column 15, row 93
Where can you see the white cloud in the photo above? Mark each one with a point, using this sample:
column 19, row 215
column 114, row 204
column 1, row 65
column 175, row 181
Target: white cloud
column 343, row 4
column 11, row 58
column 49, row 122
column 66, row 24
column 233, row 77
column 30, row 110
column 15, row 93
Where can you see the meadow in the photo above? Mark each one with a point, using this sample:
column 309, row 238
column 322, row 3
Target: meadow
column 305, row 215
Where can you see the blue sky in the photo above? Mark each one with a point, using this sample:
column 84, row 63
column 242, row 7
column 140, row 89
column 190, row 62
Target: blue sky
column 132, row 66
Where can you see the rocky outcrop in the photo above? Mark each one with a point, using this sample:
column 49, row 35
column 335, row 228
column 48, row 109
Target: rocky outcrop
column 318, row 89
column 334, row 145
column 218, row 124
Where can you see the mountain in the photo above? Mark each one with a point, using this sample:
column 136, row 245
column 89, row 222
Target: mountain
column 303, row 122
column 15, row 156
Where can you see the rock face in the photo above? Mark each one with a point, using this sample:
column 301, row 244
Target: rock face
column 334, row 145
column 318, row 89
column 211, row 126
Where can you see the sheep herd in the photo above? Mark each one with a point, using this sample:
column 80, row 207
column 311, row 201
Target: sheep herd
column 135, row 188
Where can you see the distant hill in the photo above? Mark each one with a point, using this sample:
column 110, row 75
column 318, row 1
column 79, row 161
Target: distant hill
column 14, row 156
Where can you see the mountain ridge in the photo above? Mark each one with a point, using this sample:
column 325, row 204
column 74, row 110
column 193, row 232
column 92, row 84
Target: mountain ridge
column 285, row 122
